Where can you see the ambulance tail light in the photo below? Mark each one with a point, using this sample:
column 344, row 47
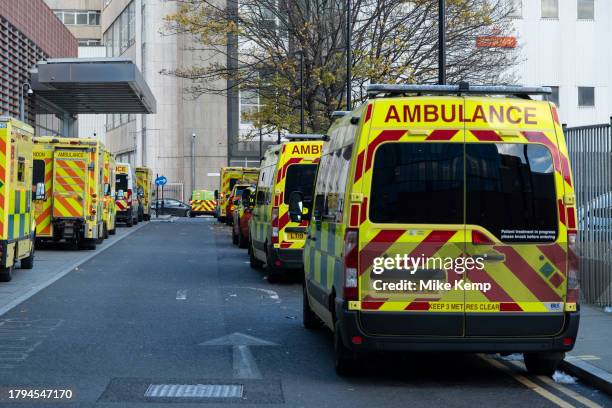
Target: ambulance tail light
column 129, row 197
column 351, row 255
column 573, row 285
column 479, row 238
column 275, row 225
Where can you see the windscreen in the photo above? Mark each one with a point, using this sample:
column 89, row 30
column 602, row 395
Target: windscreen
column 418, row 183
column 511, row 191
column 121, row 182
column 232, row 183
column 300, row 177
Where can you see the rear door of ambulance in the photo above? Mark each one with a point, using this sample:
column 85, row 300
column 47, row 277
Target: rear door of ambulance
column 69, row 183
column 515, row 218
column 409, row 183
column 297, row 171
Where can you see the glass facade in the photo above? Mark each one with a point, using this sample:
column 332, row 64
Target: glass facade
column 121, row 34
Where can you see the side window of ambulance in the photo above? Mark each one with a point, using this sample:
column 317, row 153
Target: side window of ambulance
column 261, row 188
column 511, row 191
column 319, row 201
column 331, row 190
column 21, row 169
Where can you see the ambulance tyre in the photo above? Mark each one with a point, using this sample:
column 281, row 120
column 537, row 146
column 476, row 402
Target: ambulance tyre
column 234, row 237
column 112, row 232
column 344, row 359
column 309, row 318
column 242, row 242
column 147, row 217
column 28, row 262
column 272, row 274
column 192, row 214
column 89, row 244
column 129, row 223
column 543, row 363
column 105, row 233
column 254, row 262
column 6, row 274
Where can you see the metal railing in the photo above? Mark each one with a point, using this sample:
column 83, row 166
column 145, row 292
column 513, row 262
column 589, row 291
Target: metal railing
column 590, row 150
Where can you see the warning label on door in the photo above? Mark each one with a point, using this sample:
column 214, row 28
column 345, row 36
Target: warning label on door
column 516, row 235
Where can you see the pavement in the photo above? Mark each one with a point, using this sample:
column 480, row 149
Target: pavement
column 173, row 315
column 591, row 358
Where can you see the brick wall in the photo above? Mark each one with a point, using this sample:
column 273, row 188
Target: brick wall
column 37, row 22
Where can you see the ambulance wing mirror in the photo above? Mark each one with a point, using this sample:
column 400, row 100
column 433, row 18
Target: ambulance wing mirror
column 40, row 192
column 296, row 206
column 216, row 194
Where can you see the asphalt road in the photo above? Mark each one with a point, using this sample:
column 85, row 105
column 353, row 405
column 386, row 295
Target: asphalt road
column 177, row 304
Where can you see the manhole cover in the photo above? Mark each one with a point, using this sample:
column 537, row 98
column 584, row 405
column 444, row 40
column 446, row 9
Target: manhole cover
column 194, row 391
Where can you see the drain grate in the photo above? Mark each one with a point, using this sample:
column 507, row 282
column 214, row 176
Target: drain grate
column 194, row 391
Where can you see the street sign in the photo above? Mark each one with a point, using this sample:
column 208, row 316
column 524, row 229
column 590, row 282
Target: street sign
column 161, row 180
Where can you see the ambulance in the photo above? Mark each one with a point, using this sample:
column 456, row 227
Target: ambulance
column 109, row 207
column 17, row 226
column 229, row 177
column 202, row 203
column 72, row 206
column 144, row 181
column 445, row 220
column 275, row 240
column 234, row 198
column 126, row 194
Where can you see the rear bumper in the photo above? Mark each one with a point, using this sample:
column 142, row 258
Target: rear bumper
column 289, row 258
column 124, row 215
column 195, row 212
column 350, row 326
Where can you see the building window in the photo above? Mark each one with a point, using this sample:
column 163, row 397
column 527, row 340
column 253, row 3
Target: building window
column 586, row 96
column 516, row 8
column 554, row 97
column 586, row 9
column 121, row 34
column 69, row 17
column 550, row 8
column 249, row 104
column 89, row 43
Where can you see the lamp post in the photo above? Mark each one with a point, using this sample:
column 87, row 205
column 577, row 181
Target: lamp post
column 349, row 57
column 193, row 139
column 23, row 89
column 302, row 92
column 441, row 42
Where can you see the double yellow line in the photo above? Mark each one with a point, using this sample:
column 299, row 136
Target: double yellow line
column 539, row 389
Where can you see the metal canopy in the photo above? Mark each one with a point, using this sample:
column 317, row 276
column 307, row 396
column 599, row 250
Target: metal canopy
column 90, row 85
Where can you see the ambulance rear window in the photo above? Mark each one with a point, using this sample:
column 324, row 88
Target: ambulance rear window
column 38, row 174
column 121, row 182
column 300, row 177
column 511, row 191
column 418, row 183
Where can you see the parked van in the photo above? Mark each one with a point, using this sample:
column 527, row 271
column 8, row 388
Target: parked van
column 126, row 194
column 144, row 180
column 444, row 220
column 277, row 241
column 229, row 177
column 71, row 208
column 202, row 203
column 17, row 226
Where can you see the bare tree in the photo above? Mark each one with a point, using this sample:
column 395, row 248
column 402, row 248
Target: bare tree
column 393, row 41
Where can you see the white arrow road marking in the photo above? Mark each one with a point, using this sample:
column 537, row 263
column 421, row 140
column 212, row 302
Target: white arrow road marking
column 181, row 294
column 244, row 364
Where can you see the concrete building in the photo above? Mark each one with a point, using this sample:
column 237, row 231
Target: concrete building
column 163, row 141
column 29, row 32
column 564, row 44
column 82, row 17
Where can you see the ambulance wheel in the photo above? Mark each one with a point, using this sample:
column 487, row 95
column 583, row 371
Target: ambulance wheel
column 105, row 233
column 192, row 215
column 112, row 232
column 28, row 262
column 272, row 273
column 129, row 223
column 309, row 318
column 135, row 221
column 344, row 359
column 89, row 244
column 242, row 241
column 254, row 262
column 147, row 217
column 6, row 274
column 140, row 216
column 543, row 363
column 234, row 237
